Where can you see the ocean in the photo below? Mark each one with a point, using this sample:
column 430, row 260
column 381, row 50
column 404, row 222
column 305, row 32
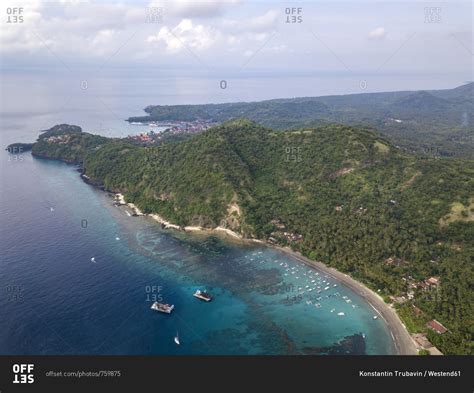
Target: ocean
column 55, row 300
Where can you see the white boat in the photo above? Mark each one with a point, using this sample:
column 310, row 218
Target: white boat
column 203, row 295
column 162, row 307
column 93, row 259
column 333, row 310
column 128, row 213
column 375, row 316
column 341, row 314
column 176, row 339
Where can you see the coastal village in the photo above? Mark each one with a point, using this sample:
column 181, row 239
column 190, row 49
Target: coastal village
column 429, row 288
column 172, row 128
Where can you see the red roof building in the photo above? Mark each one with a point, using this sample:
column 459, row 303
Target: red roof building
column 436, row 326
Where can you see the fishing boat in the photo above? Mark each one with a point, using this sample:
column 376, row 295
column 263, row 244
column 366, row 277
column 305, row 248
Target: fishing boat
column 203, row 295
column 162, row 307
column 176, row 339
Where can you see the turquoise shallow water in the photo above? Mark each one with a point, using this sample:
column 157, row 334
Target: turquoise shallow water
column 54, row 300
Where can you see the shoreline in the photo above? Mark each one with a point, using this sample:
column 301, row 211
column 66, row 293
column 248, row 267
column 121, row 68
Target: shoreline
column 402, row 339
column 404, row 343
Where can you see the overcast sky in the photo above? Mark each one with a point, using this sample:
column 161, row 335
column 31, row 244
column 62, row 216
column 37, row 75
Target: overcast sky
column 242, row 37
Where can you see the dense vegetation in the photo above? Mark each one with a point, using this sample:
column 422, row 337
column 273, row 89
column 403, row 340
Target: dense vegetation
column 438, row 122
column 353, row 197
column 66, row 143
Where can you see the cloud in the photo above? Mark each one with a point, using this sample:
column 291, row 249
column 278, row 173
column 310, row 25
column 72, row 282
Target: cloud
column 225, row 32
column 185, row 34
column 378, row 34
column 227, row 35
column 14, row 36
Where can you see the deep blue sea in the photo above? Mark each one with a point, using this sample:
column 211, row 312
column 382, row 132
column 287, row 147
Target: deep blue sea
column 54, row 300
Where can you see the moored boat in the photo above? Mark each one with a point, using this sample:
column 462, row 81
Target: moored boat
column 203, row 295
column 162, row 307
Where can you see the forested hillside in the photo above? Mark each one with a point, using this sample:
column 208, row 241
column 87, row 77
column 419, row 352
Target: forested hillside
column 342, row 195
column 421, row 122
